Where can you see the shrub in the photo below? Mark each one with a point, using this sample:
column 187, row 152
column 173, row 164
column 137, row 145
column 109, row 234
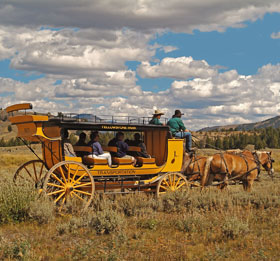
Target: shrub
column 42, row 210
column 107, row 221
column 149, row 223
column 137, row 205
column 233, row 228
column 15, row 201
column 193, row 223
column 175, row 201
column 16, row 250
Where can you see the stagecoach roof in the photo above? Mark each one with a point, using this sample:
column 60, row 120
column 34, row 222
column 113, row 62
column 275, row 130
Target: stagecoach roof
column 141, row 124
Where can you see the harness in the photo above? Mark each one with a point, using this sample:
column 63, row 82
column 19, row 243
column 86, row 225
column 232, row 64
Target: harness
column 257, row 160
column 194, row 160
column 239, row 176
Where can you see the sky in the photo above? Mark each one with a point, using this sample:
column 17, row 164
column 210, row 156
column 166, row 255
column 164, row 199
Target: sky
column 216, row 60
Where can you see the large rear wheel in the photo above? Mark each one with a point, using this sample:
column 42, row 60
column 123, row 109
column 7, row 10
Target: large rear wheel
column 69, row 181
column 171, row 182
column 32, row 172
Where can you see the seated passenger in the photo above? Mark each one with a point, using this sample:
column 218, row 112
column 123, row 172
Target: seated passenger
column 82, row 140
column 122, row 147
column 137, row 142
column 155, row 120
column 67, row 146
column 179, row 130
column 97, row 151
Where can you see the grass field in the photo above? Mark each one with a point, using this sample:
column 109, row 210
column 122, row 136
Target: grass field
column 211, row 225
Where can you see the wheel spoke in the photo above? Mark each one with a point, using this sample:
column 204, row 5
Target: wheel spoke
column 29, row 173
column 164, row 180
column 174, row 177
column 55, row 185
column 62, row 174
column 58, row 179
column 63, row 201
column 83, row 185
column 68, row 173
column 79, row 178
column 76, row 171
column 164, row 187
column 77, row 195
column 182, row 184
column 35, row 173
column 178, row 181
column 62, row 194
column 82, row 192
column 56, row 192
column 41, row 170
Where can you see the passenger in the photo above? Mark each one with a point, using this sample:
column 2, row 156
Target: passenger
column 139, row 143
column 179, row 130
column 67, row 146
column 122, row 147
column 82, row 140
column 97, row 151
column 156, row 118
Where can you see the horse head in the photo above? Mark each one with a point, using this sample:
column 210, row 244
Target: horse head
column 266, row 160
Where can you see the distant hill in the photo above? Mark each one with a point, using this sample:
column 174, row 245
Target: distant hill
column 272, row 122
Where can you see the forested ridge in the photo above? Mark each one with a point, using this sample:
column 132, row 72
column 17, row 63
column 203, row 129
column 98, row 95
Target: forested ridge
column 262, row 138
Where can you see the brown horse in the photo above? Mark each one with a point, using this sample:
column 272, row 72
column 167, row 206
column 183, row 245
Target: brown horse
column 225, row 167
column 193, row 166
column 262, row 158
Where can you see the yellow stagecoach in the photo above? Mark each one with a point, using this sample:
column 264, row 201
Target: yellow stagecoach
column 63, row 177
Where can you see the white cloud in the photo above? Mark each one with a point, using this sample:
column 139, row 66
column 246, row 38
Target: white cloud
column 178, row 68
column 73, row 53
column 275, row 35
column 96, row 39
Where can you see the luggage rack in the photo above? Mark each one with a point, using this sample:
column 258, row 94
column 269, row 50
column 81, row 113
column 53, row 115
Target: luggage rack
column 130, row 120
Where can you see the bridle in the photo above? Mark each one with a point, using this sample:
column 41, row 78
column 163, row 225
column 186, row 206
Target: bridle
column 269, row 161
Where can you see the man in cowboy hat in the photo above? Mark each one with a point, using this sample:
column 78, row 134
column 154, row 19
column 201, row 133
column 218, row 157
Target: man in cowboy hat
column 179, row 130
column 156, row 117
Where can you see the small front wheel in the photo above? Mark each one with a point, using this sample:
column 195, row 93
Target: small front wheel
column 171, row 182
column 69, row 180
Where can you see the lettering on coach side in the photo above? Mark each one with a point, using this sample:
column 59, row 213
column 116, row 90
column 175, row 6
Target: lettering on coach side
column 116, row 172
column 118, row 127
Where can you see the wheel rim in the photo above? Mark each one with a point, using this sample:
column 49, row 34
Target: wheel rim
column 31, row 172
column 68, row 181
column 171, row 182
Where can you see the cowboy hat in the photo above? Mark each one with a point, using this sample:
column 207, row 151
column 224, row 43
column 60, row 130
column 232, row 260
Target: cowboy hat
column 178, row 113
column 158, row 112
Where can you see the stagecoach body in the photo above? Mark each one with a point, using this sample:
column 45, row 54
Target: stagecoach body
column 70, row 177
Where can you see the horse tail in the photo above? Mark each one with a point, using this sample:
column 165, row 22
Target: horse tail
column 206, row 174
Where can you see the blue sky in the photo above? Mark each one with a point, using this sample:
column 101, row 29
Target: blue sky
column 243, row 49
column 216, row 60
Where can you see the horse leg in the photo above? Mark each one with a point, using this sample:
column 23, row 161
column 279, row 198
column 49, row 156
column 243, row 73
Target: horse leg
column 250, row 183
column 245, row 184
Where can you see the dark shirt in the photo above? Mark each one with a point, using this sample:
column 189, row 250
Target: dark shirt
column 139, row 143
column 81, row 143
column 121, row 145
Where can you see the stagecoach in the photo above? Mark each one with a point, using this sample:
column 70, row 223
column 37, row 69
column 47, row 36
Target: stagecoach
column 63, row 178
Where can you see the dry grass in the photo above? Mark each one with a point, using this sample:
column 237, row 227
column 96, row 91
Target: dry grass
column 211, row 225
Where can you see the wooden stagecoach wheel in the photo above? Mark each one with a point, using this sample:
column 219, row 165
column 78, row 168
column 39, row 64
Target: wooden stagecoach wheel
column 69, row 180
column 32, row 171
column 171, row 182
